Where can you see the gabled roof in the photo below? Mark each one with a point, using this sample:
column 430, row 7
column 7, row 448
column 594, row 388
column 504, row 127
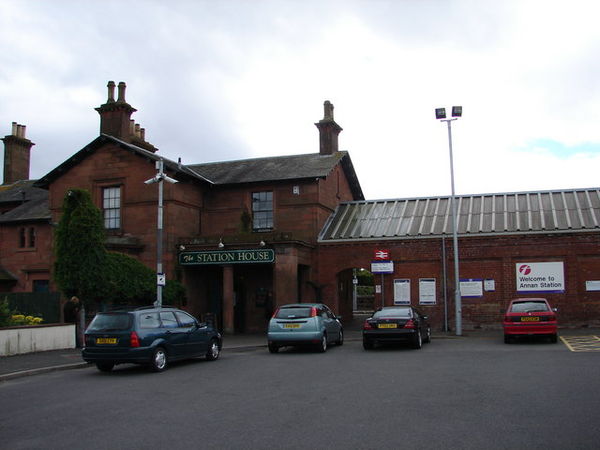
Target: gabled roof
column 575, row 210
column 106, row 139
column 279, row 168
column 24, row 202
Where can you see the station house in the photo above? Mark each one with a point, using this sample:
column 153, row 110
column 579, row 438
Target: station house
column 245, row 236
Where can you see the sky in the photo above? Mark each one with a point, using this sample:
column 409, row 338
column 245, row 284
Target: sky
column 236, row 79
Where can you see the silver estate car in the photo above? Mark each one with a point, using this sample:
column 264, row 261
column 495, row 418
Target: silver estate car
column 311, row 324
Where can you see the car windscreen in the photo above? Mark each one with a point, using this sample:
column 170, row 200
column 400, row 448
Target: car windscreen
column 110, row 322
column 393, row 312
column 301, row 312
column 529, row 306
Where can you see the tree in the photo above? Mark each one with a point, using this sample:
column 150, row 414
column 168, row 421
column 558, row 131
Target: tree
column 86, row 270
column 132, row 283
column 81, row 258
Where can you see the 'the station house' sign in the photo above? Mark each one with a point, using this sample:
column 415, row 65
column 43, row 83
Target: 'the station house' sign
column 266, row 255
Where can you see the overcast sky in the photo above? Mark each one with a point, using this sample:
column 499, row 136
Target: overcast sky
column 237, row 79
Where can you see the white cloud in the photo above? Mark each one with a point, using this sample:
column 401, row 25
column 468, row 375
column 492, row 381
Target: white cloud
column 236, row 79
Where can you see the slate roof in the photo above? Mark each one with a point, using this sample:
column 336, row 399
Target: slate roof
column 575, row 210
column 104, row 139
column 279, row 168
column 26, row 202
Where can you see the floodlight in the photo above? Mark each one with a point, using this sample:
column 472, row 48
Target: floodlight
column 457, row 111
column 440, row 113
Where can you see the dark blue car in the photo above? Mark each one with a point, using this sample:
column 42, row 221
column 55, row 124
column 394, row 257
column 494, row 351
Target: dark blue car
column 150, row 336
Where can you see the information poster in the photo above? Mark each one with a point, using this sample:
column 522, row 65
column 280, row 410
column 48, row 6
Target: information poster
column 592, row 285
column 402, row 292
column 427, row 291
column 471, row 288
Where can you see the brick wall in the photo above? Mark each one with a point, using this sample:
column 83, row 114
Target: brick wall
column 492, row 258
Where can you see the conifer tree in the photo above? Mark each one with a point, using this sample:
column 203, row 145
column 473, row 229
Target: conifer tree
column 81, row 257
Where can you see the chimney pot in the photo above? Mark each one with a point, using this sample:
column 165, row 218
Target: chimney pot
column 121, row 98
column 14, row 128
column 111, row 92
column 143, row 134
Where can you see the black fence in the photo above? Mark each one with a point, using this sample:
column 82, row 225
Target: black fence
column 39, row 304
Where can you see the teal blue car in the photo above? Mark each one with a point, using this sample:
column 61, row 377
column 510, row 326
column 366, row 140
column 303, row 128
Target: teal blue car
column 304, row 324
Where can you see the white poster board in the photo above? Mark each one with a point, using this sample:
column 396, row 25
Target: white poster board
column 427, row 291
column 592, row 285
column 402, row 292
column 540, row 276
column 471, row 288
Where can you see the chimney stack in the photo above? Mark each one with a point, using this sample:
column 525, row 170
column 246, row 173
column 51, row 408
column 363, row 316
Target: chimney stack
column 115, row 116
column 328, row 131
column 17, row 149
column 116, row 121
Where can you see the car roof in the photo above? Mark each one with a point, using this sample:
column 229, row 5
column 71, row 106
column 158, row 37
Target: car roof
column 304, row 305
column 528, row 299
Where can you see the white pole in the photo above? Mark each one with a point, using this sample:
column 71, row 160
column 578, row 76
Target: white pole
column 457, row 296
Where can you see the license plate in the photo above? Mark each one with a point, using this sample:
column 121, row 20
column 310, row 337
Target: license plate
column 106, row 340
column 530, row 319
column 291, row 325
column 387, row 325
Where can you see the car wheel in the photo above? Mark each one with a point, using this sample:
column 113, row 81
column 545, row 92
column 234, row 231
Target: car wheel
column 273, row 348
column 427, row 339
column 322, row 347
column 105, row 367
column 367, row 345
column 340, row 340
column 213, row 351
column 507, row 339
column 159, row 360
column 553, row 338
column 418, row 340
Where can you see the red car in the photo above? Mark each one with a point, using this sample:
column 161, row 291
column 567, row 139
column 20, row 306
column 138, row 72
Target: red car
column 529, row 317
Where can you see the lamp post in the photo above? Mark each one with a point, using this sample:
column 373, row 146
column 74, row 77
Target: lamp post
column 440, row 114
column 160, row 276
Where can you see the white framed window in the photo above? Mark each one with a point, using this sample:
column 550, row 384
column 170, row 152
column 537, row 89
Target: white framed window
column 111, row 207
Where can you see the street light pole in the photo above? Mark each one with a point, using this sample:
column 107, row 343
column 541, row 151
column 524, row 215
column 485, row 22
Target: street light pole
column 440, row 113
column 160, row 278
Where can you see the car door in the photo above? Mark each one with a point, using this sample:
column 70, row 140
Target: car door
column 197, row 334
column 331, row 324
column 175, row 336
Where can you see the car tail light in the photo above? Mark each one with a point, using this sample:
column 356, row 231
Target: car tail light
column 367, row 325
column 552, row 318
column 135, row 340
column 409, row 324
column 275, row 313
column 313, row 312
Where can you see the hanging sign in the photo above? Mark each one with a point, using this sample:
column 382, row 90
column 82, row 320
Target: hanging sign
column 382, row 267
column 382, row 255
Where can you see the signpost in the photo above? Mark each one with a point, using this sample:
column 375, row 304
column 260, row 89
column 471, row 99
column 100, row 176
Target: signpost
column 382, row 264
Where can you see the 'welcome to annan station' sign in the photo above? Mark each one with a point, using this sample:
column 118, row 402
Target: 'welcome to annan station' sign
column 266, row 255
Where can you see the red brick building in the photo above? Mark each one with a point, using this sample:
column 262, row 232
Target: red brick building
column 554, row 234
column 245, row 236
column 260, row 217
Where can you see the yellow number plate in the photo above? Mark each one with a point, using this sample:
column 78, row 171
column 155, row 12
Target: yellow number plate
column 106, row 340
column 291, row 325
column 387, row 325
column 530, row 319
